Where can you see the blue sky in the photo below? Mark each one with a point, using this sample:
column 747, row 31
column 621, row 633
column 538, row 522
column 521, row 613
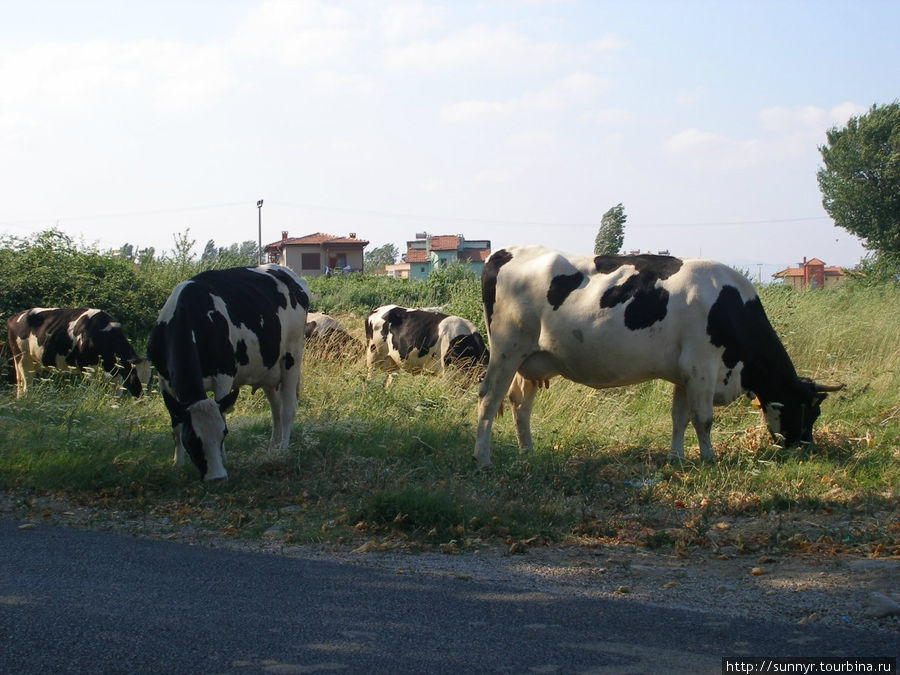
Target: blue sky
column 515, row 121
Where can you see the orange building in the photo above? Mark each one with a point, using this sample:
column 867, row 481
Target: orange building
column 811, row 274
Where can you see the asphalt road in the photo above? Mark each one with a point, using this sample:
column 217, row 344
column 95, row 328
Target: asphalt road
column 89, row 602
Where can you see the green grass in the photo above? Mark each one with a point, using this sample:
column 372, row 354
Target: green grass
column 393, row 465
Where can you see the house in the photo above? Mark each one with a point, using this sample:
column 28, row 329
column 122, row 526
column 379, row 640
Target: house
column 318, row 254
column 398, row 271
column 429, row 252
column 810, row 274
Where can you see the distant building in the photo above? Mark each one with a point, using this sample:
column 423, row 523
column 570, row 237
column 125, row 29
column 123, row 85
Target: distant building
column 318, row 254
column 398, row 271
column 811, row 274
column 430, row 252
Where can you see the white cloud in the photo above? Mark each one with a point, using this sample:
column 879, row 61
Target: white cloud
column 708, row 148
column 496, row 49
column 497, row 175
column 62, row 78
column 299, row 32
column 780, row 119
column 610, row 116
column 689, row 96
column 790, row 133
column 608, row 43
column 531, row 140
column 564, row 93
column 409, row 19
column 346, row 82
column 473, row 111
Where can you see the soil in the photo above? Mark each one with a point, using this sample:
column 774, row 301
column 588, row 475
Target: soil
column 815, row 584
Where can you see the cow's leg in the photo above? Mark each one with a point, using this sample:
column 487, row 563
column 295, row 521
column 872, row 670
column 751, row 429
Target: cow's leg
column 491, row 393
column 681, row 415
column 699, row 401
column 176, row 414
column 24, row 373
column 178, row 457
column 521, row 399
column 283, row 401
column 274, row 396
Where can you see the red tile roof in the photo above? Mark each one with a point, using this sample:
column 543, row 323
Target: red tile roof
column 445, row 242
column 317, row 239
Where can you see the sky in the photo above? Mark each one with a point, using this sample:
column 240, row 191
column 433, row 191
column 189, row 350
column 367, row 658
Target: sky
column 517, row 121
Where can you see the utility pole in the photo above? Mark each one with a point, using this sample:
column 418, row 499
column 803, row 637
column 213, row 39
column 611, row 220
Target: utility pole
column 259, row 209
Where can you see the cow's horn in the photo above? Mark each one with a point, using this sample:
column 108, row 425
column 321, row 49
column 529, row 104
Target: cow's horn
column 829, row 387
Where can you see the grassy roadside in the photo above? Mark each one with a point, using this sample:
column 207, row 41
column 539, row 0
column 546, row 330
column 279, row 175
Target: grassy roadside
column 391, row 467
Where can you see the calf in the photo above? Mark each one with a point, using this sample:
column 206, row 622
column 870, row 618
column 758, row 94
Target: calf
column 221, row 330
column 417, row 340
column 607, row 321
column 72, row 339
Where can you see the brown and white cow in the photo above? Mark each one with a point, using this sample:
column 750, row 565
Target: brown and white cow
column 608, row 321
column 326, row 337
column 72, row 339
column 217, row 332
column 421, row 341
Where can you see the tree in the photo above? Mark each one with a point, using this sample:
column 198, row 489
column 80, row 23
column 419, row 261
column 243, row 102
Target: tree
column 377, row 258
column 860, row 182
column 209, row 253
column 611, row 234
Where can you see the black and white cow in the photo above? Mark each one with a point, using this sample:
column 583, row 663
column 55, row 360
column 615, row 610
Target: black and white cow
column 326, row 337
column 607, row 321
column 72, row 339
column 218, row 331
column 418, row 340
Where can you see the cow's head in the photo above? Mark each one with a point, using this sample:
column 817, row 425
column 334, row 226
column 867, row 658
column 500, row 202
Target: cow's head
column 790, row 421
column 137, row 376
column 203, row 434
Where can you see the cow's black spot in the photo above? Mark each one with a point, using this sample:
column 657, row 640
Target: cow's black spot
column 647, row 303
column 658, row 266
column 726, row 318
column 240, row 353
column 295, row 292
column 412, row 330
column 489, row 282
column 561, row 286
column 288, row 361
column 251, row 299
column 743, row 330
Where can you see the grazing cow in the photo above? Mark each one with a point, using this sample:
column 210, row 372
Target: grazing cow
column 72, row 339
column 418, row 340
column 607, row 321
column 326, row 337
column 218, row 331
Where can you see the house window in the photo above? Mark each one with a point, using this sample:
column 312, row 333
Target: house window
column 311, row 261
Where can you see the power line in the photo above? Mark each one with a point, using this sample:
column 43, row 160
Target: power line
column 128, row 214
column 519, row 223
column 416, row 217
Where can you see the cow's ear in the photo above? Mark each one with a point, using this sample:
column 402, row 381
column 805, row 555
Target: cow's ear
column 226, row 402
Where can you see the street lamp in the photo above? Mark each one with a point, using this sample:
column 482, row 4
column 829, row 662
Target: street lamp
column 259, row 209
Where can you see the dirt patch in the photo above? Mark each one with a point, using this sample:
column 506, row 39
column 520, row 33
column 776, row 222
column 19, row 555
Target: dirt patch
column 818, row 583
